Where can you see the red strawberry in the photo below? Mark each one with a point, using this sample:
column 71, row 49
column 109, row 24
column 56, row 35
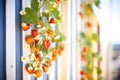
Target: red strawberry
column 38, row 57
column 29, row 40
column 82, row 72
column 46, row 44
column 58, row 0
column 26, row 27
column 29, row 68
column 34, row 33
column 82, row 78
column 89, row 25
column 84, row 49
column 45, row 68
column 81, row 15
column 52, row 20
column 83, row 57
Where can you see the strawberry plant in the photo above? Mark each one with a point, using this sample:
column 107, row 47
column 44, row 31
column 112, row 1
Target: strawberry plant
column 87, row 40
column 42, row 19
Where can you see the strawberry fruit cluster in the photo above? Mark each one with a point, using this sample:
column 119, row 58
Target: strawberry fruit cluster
column 45, row 40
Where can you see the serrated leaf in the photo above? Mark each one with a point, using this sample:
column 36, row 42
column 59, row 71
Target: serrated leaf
column 56, row 13
column 30, row 17
column 35, row 5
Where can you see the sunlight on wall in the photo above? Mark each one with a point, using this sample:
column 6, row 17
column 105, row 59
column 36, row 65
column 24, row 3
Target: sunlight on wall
column 103, row 16
column 115, row 21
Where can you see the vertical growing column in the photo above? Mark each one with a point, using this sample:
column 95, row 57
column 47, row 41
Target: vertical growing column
column 39, row 21
column 89, row 42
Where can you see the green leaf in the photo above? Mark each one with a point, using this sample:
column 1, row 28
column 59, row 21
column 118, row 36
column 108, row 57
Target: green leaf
column 99, row 58
column 30, row 17
column 53, row 0
column 99, row 71
column 62, row 37
column 87, row 69
column 97, row 3
column 88, row 42
column 56, row 14
column 82, row 35
column 95, row 37
column 35, row 5
column 97, row 55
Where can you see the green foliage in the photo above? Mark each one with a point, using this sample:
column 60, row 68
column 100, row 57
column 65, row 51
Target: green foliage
column 95, row 37
column 53, row 0
column 97, row 3
column 87, row 69
column 88, row 6
column 56, row 14
column 35, row 5
column 62, row 37
column 82, row 35
column 97, row 55
column 99, row 71
column 30, row 17
column 88, row 42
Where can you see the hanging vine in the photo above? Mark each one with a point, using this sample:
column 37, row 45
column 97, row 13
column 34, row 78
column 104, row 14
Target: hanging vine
column 87, row 38
column 45, row 41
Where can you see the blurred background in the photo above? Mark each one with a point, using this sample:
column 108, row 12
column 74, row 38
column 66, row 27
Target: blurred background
column 68, row 66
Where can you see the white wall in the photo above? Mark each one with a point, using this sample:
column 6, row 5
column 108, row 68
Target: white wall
column 10, row 40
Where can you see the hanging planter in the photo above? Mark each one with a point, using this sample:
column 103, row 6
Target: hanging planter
column 88, row 39
column 45, row 40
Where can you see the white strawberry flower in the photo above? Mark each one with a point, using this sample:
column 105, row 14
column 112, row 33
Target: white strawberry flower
column 24, row 58
column 46, row 11
column 37, row 38
column 39, row 26
column 35, row 64
column 54, row 4
column 48, row 37
column 30, row 68
column 57, row 37
column 36, row 68
column 32, row 57
column 33, row 75
column 24, row 24
column 61, row 15
column 22, row 12
column 27, row 46
column 43, row 28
